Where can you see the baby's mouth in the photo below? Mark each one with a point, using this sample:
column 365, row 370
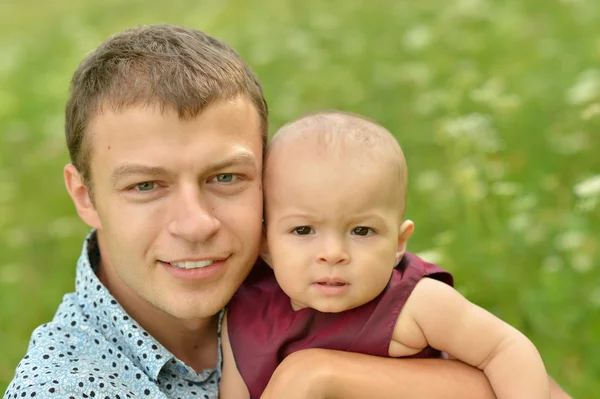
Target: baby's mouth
column 331, row 283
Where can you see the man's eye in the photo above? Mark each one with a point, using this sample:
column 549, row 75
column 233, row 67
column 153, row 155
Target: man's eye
column 362, row 231
column 302, row 230
column 145, row 186
column 224, row 177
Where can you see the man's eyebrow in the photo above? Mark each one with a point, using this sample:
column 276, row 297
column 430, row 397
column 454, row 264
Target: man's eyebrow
column 240, row 159
column 137, row 169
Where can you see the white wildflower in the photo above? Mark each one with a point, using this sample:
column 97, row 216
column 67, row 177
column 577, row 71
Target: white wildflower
column 431, row 256
column 470, row 8
column 427, row 103
column 494, row 169
column 490, row 92
column 535, row 234
column 571, row 143
column 505, row 188
column 476, row 191
column 552, row 264
column 581, row 262
column 570, row 240
column 9, row 56
column 466, row 175
column 586, row 88
column 519, row 223
column 592, row 111
column 325, row 21
column 444, row 238
column 595, row 298
column 589, row 187
column 587, row 204
column 508, row 102
column 466, row 76
column 417, row 38
column 262, row 53
column 473, row 129
column 428, row 181
column 524, row 203
column 300, row 43
column 418, row 73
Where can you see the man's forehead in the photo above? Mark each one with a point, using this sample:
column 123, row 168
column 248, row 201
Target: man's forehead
column 237, row 112
column 148, row 138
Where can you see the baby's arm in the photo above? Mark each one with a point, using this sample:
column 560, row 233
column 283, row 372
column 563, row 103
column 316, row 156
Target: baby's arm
column 232, row 385
column 437, row 315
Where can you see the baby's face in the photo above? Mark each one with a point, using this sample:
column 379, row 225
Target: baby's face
column 333, row 228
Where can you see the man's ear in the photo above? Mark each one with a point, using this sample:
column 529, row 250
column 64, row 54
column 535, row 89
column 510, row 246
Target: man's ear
column 81, row 197
column 406, row 230
column 264, row 248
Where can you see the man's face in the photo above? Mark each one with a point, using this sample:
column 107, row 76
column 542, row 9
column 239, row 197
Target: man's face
column 179, row 204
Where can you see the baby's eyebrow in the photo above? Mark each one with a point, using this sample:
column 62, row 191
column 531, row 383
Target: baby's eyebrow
column 370, row 217
column 297, row 215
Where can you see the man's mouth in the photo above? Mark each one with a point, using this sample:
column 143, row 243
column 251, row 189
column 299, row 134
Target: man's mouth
column 192, row 264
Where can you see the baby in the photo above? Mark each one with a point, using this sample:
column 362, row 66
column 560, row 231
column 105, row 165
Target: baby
column 335, row 237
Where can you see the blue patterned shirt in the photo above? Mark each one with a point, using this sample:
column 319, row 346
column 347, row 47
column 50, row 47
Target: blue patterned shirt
column 94, row 349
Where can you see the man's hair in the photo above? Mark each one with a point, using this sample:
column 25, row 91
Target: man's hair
column 160, row 65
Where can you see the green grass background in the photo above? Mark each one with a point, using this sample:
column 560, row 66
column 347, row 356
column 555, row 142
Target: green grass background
column 496, row 103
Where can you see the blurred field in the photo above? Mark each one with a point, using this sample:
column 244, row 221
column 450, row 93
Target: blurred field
column 497, row 105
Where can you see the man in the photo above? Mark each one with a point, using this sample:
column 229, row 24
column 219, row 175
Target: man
column 166, row 128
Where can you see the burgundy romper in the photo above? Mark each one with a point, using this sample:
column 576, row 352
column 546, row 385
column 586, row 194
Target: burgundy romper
column 264, row 329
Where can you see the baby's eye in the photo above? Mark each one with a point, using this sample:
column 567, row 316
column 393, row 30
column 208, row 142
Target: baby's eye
column 303, row 230
column 145, row 186
column 362, row 231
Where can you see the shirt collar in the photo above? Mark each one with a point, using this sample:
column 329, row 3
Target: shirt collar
column 107, row 316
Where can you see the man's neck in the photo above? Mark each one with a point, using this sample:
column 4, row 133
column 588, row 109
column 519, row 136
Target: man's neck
column 195, row 343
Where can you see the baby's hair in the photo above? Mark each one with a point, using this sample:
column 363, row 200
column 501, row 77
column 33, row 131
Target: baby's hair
column 332, row 129
column 338, row 133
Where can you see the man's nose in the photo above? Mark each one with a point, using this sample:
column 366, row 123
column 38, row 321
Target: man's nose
column 193, row 219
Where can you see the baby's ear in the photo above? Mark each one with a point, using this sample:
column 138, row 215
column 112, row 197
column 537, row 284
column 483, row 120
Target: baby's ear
column 264, row 248
column 406, row 230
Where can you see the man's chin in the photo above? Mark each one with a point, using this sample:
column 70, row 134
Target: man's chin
column 196, row 311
